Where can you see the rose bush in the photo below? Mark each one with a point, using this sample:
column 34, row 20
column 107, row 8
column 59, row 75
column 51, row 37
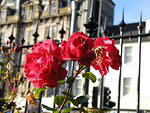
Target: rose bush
column 106, row 55
column 78, row 48
column 43, row 64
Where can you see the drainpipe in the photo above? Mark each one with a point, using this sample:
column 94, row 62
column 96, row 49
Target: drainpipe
column 18, row 7
column 99, row 18
column 74, row 6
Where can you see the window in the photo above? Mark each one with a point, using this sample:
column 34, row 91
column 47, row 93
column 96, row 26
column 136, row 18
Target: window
column 25, row 14
column 53, row 32
column 30, row 37
column 128, row 55
column 54, row 7
column 50, row 92
column 62, row 3
column 126, row 85
column 68, row 1
column 47, row 29
column 31, row 13
column 11, row 1
column 78, row 85
column 2, row 37
column 3, row 16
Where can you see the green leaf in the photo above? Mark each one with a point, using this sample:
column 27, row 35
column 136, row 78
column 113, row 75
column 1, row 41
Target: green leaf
column 38, row 91
column 68, row 109
column 82, row 99
column 2, row 98
column 58, row 100
column 90, row 76
column 47, row 108
column 2, row 64
column 73, row 101
column 67, row 94
column 61, row 81
column 82, row 67
column 70, row 80
column 57, row 111
column 19, row 108
column 2, row 71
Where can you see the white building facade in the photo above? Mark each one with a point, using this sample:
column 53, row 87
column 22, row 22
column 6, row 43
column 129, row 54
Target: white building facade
column 129, row 79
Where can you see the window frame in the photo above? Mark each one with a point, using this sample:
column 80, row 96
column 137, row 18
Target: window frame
column 126, row 85
column 128, row 55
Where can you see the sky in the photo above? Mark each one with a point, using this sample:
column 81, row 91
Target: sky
column 132, row 9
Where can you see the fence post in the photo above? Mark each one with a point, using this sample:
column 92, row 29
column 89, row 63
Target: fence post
column 122, row 28
column 35, row 35
column 140, row 28
column 11, row 44
column 61, row 32
column 91, row 27
column 95, row 97
column 20, row 58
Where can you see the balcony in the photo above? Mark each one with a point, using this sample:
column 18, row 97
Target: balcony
column 12, row 18
column 65, row 10
column 45, row 14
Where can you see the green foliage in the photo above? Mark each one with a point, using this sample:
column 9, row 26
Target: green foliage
column 67, row 94
column 70, row 80
column 82, row 99
column 89, row 75
column 2, row 64
column 65, row 110
column 57, row 111
column 58, row 100
column 68, row 109
column 73, row 101
column 2, row 72
column 92, row 110
column 47, row 108
column 37, row 91
column 82, row 67
column 61, row 81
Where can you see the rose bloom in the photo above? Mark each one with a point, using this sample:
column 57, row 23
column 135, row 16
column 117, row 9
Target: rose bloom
column 78, row 48
column 106, row 55
column 43, row 65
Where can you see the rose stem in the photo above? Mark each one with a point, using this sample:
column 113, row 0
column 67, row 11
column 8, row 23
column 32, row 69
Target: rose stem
column 69, row 88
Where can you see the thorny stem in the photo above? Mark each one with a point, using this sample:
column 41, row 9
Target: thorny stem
column 69, row 88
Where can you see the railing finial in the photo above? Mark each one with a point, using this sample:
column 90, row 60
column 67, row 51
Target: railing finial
column 11, row 37
column 91, row 25
column 36, row 35
column 62, row 31
column 140, row 26
column 122, row 23
column 48, row 37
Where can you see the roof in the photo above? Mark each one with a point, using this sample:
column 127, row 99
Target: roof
column 28, row 3
column 129, row 29
column 112, row 2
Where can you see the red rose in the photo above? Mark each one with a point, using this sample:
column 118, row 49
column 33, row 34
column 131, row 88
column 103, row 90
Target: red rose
column 78, row 48
column 43, row 64
column 106, row 55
